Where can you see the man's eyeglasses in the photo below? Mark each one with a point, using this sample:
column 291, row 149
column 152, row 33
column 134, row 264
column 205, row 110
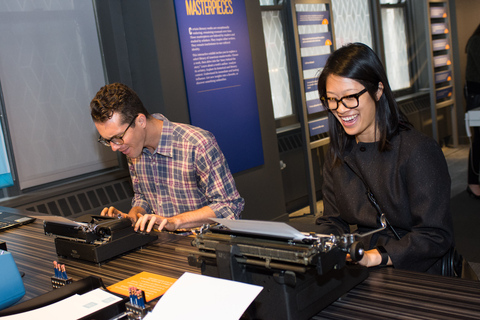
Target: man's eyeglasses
column 118, row 140
column 350, row 101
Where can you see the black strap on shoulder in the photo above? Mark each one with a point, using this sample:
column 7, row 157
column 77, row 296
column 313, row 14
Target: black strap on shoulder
column 373, row 201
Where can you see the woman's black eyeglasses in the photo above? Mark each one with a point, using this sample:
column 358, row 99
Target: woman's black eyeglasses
column 350, row 101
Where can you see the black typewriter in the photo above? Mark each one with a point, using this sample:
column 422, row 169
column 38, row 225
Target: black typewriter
column 95, row 238
column 301, row 273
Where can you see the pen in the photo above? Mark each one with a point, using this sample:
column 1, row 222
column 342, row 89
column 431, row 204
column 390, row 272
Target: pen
column 64, row 272
column 140, row 298
column 55, row 268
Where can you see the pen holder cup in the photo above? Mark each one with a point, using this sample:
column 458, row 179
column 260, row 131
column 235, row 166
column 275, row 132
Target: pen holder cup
column 59, row 282
column 11, row 286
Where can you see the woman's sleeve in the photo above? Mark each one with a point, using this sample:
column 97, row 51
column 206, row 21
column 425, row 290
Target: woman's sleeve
column 428, row 186
column 330, row 221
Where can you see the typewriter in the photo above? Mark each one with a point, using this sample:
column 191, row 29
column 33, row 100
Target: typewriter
column 301, row 273
column 95, row 238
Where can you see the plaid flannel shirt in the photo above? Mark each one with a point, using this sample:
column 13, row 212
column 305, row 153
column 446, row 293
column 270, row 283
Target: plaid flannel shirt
column 186, row 172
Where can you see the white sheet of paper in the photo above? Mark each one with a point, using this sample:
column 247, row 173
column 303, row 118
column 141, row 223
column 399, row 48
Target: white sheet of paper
column 61, row 220
column 71, row 308
column 265, row 228
column 199, row 297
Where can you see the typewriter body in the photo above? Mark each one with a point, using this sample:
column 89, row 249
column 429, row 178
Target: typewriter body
column 95, row 238
column 300, row 274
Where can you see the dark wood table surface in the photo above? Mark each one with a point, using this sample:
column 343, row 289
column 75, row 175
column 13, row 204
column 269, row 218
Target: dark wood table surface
column 386, row 294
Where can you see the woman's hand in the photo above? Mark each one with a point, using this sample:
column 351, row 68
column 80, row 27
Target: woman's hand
column 371, row 258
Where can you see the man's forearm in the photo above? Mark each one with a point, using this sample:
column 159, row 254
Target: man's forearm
column 192, row 219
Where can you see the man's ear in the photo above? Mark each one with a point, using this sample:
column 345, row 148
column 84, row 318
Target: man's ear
column 379, row 92
column 142, row 120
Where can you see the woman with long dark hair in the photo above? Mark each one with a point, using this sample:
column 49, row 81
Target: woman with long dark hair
column 374, row 148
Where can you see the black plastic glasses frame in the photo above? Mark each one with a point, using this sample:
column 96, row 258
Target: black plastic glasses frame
column 117, row 140
column 356, row 96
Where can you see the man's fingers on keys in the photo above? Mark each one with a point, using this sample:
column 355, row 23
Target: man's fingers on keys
column 139, row 222
column 112, row 212
column 146, row 218
column 153, row 219
column 162, row 224
column 109, row 212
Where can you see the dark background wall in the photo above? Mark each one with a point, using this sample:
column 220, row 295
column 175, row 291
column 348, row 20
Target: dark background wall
column 141, row 47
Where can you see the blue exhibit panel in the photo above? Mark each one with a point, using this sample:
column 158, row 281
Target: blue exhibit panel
column 310, row 84
column 219, row 77
column 443, row 76
column 305, row 18
column 315, row 39
column 440, row 44
column 441, row 61
column 318, row 126
column 314, row 106
column 314, row 62
column 439, row 28
column 438, row 12
column 445, row 93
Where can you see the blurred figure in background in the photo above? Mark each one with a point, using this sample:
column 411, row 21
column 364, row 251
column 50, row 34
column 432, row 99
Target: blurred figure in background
column 472, row 95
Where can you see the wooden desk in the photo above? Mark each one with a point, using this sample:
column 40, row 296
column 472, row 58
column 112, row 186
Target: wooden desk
column 386, row 293
column 34, row 253
column 389, row 293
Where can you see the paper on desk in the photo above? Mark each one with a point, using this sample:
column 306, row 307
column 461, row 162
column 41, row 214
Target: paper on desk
column 73, row 307
column 58, row 219
column 264, row 228
column 154, row 285
column 199, row 297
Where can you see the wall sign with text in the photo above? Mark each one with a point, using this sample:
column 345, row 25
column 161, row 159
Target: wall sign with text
column 219, row 77
column 441, row 56
column 315, row 44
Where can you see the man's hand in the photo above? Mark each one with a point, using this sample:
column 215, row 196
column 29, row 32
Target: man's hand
column 191, row 219
column 111, row 212
column 152, row 220
column 114, row 212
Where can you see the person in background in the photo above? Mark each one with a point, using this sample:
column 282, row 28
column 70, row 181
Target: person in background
column 374, row 147
column 472, row 77
column 180, row 176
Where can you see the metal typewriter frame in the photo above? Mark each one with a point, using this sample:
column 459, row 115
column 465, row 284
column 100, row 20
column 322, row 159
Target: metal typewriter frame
column 299, row 277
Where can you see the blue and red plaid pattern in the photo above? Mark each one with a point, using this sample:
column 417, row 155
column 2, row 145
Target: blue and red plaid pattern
column 186, row 172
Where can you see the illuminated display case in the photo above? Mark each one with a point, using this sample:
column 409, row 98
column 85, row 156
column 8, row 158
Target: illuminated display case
column 442, row 89
column 312, row 25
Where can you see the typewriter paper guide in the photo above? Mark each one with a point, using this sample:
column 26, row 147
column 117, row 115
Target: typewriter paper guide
column 61, row 220
column 262, row 228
